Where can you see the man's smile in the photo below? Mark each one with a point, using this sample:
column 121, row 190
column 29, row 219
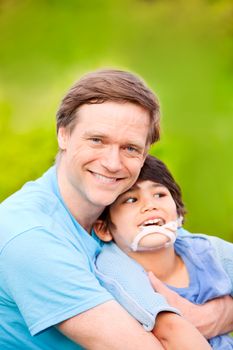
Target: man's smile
column 105, row 179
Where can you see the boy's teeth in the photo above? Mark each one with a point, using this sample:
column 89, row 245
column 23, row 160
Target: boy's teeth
column 153, row 222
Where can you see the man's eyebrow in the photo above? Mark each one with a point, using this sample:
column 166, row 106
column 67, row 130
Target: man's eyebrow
column 95, row 133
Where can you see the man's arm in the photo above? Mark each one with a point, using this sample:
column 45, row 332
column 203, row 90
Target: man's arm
column 212, row 318
column 108, row 326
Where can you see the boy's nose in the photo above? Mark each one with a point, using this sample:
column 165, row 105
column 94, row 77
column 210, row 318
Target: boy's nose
column 149, row 205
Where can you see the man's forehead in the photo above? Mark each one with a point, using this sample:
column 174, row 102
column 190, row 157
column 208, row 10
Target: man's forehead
column 110, row 109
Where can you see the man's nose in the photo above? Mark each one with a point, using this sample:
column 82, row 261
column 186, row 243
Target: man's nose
column 111, row 159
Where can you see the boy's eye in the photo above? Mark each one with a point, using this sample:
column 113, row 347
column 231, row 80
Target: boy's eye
column 159, row 194
column 130, row 200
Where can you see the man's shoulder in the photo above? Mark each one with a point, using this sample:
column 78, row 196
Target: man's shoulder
column 33, row 196
column 31, row 207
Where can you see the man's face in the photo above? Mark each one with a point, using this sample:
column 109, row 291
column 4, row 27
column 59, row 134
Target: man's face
column 146, row 203
column 105, row 151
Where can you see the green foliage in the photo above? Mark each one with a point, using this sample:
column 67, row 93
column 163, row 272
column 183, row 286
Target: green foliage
column 182, row 49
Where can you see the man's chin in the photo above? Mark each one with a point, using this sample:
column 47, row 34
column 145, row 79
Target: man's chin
column 104, row 197
column 102, row 201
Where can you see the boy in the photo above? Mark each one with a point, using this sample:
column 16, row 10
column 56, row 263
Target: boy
column 144, row 222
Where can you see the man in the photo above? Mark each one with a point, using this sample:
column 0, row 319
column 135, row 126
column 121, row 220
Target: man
column 49, row 295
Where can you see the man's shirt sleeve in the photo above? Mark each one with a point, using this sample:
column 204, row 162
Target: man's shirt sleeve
column 49, row 279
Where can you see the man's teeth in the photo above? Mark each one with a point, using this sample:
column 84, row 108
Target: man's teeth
column 105, row 179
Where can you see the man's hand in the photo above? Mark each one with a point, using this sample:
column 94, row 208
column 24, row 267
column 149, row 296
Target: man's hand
column 175, row 332
column 212, row 318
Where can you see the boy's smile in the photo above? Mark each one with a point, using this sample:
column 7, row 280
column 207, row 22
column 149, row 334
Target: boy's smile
column 146, row 204
column 156, row 221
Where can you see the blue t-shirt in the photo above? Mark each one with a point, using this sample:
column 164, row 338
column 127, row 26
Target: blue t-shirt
column 46, row 268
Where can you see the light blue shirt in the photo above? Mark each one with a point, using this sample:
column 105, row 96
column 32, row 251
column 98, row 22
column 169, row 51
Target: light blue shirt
column 207, row 278
column 209, row 261
column 46, row 268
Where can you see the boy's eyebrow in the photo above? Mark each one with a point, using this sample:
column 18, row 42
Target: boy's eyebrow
column 137, row 186
column 157, row 185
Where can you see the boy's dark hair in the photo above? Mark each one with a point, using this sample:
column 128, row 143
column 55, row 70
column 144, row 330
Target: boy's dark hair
column 109, row 85
column 154, row 170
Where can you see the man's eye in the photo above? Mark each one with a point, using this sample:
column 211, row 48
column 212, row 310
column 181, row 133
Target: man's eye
column 130, row 200
column 131, row 149
column 95, row 140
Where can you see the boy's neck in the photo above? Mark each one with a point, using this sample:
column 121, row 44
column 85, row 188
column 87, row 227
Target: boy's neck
column 165, row 264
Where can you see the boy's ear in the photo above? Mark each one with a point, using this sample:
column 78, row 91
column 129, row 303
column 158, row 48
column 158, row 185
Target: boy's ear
column 102, row 231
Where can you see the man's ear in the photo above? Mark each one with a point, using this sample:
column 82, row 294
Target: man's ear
column 102, row 231
column 145, row 154
column 62, row 137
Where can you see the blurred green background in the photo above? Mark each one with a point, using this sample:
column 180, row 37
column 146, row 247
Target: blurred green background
column 183, row 49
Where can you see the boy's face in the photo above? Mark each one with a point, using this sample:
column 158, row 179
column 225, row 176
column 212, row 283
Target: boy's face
column 146, row 203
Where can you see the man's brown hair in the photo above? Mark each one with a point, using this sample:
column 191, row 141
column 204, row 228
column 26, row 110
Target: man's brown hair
column 109, row 85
